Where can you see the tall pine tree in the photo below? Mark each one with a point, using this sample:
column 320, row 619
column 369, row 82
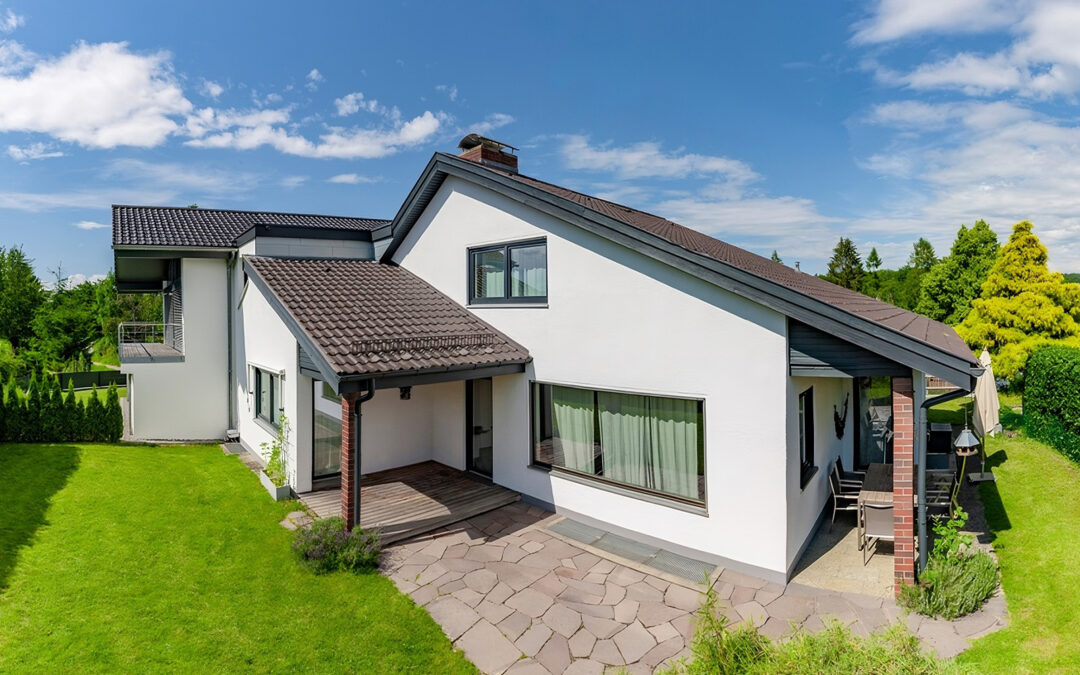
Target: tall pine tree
column 845, row 267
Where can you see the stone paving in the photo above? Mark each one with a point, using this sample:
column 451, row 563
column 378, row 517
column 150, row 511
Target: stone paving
column 517, row 598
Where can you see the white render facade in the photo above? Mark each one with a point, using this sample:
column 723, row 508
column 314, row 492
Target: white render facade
column 615, row 319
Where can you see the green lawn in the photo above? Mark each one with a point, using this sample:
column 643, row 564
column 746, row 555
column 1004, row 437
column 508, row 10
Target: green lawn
column 137, row 559
column 85, row 394
column 1034, row 512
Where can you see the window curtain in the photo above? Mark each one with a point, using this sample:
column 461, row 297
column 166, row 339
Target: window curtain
column 327, row 451
column 673, row 448
column 529, row 270
column 573, row 432
column 624, row 437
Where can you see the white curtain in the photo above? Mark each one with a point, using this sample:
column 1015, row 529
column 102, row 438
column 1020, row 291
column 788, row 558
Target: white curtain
column 673, row 448
column 529, row 272
column 573, row 430
column 624, row 436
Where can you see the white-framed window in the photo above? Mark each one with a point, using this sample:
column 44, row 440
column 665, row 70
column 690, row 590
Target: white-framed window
column 267, row 394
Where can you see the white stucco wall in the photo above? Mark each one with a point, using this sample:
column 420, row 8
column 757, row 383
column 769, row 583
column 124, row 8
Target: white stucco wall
column 805, row 504
column 188, row 400
column 288, row 247
column 428, row 426
column 618, row 320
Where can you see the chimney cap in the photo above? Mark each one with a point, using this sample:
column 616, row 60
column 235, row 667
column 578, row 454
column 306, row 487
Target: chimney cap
column 473, row 140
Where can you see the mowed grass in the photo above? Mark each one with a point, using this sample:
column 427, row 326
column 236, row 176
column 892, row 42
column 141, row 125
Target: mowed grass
column 1033, row 511
column 85, row 394
column 143, row 559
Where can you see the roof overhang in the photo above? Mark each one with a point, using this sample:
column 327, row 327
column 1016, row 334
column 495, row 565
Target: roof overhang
column 343, row 383
column 875, row 337
column 300, row 232
column 140, row 269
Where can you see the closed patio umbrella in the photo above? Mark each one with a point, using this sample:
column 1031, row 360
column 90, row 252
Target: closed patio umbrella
column 987, row 408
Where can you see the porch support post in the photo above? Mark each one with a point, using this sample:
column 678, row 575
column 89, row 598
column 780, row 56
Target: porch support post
column 903, row 392
column 348, row 455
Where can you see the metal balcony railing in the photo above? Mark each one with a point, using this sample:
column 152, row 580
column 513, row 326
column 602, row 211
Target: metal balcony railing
column 139, row 341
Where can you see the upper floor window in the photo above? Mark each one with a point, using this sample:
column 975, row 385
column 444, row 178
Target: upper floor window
column 508, row 273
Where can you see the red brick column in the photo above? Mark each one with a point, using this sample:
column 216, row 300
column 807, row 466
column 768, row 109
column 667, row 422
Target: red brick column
column 348, row 452
column 903, row 405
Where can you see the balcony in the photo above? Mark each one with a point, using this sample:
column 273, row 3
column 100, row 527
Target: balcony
column 140, row 342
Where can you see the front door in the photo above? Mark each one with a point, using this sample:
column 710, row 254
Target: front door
column 478, row 419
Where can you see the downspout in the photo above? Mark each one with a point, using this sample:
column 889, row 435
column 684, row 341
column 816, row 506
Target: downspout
column 921, row 461
column 368, row 394
column 229, row 323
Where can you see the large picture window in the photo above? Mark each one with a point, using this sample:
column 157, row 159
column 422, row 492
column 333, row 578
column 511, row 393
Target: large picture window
column 651, row 443
column 267, row 395
column 508, row 273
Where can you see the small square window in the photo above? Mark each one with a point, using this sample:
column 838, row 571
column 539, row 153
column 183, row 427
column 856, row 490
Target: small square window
column 267, row 395
column 508, row 273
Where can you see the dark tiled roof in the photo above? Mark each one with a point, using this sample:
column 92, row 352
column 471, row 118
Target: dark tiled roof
column 914, row 325
column 179, row 226
column 368, row 318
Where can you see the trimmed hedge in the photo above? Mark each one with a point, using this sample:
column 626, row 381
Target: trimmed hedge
column 46, row 414
column 1052, row 398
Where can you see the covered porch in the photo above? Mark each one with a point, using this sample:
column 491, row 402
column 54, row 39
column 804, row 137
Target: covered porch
column 411, row 500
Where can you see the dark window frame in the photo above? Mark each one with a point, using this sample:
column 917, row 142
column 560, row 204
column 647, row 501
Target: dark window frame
column 807, row 467
column 507, row 298
column 601, row 480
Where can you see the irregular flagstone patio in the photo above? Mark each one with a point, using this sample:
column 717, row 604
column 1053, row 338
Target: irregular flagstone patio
column 518, row 598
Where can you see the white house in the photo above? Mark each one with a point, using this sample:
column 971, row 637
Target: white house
column 603, row 362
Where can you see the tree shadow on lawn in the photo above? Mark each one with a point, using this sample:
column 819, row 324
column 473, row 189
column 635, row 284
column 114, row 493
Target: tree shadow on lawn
column 30, row 476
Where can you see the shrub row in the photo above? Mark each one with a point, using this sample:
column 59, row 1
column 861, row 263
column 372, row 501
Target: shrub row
column 1052, row 398
column 44, row 413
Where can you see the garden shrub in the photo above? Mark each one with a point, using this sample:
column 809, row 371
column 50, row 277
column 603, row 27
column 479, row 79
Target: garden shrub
column 957, row 578
column 44, row 413
column 327, row 546
column 718, row 648
column 1052, row 398
column 275, row 452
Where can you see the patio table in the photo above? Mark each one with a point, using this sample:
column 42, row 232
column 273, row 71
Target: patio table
column 877, row 486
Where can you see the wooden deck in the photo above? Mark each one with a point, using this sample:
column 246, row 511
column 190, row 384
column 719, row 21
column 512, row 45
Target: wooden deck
column 148, row 352
column 415, row 499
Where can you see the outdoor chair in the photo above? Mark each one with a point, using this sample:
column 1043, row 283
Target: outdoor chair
column 849, row 477
column 877, row 524
column 845, row 497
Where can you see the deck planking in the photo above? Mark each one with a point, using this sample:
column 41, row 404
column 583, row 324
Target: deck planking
column 415, row 499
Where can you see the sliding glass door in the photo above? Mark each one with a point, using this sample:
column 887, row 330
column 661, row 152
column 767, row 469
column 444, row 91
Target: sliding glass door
column 326, row 444
column 874, row 439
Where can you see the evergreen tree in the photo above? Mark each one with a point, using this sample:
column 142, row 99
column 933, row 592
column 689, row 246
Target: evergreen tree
column 114, row 416
column 873, row 261
column 845, row 267
column 47, row 414
column 776, row 257
column 13, row 431
column 950, row 286
column 72, row 427
column 1023, row 305
column 3, row 417
column 20, row 296
column 32, row 418
column 95, row 418
column 922, row 256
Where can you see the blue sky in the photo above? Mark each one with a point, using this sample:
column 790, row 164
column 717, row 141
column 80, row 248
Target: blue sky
column 769, row 125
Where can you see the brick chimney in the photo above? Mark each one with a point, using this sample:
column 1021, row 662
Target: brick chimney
column 488, row 152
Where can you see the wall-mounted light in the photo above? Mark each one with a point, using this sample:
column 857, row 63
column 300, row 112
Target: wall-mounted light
column 405, row 393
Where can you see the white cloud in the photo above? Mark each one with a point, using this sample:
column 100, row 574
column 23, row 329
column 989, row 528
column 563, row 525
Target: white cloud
column 355, row 102
column 32, row 151
column 351, row 179
column 491, row 123
column 9, row 21
column 78, row 279
column 14, row 57
column 314, row 77
column 211, row 89
column 896, row 19
column 337, row 142
column 90, row 225
column 99, row 96
column 647, row 160
column 449, row 89
column 185, row 178
column 82, row 199
column 291, row 182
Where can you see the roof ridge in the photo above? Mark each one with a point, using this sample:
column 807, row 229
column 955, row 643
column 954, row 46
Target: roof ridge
column 248, row 211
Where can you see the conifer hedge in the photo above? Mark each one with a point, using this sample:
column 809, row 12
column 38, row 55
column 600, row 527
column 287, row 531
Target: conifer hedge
column 1052, row 398
column 44, row 413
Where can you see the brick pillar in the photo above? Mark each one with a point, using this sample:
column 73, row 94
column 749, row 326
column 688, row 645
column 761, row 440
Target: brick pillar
column 348, row 452
column 903, row 404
